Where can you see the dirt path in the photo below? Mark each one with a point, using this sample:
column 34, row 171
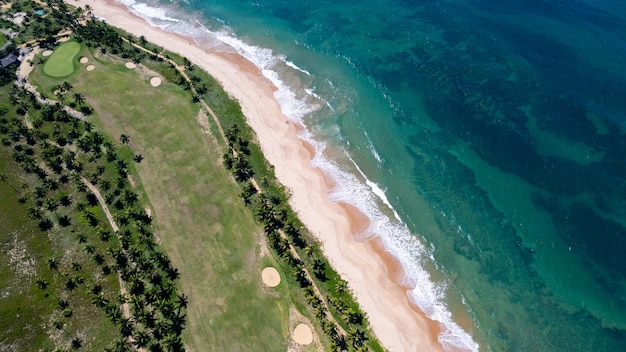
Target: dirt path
column 103, row 204
column 27, row 121
column 125, row 306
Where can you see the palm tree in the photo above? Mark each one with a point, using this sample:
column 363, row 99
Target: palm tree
column 76, row 343
column 178, row 323
column 45, row 224
column 79, row 99
column 124, row 139
column 202, row 90
column 320, row 312
column 300, row 276
column 182, row 302
column 352, row 316
column 142, row 338
column 356, row 337
column 98, row 258
column 99, row 301
column 70, row 284
column 96, row 289
column 330, row 328
column 104, row 236
column 81, row 238
column 34, row 213
column 58, row 324
column 42, row 284
column 126, row 327
column 122, row 345
column 90, row 249
column 319, row 268
column 173, row 342
column 64, row 221
column 53, row 263
column 341, row 286
column 66, row 86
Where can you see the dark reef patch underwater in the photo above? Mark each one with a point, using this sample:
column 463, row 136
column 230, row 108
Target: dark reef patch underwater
column 496, row 130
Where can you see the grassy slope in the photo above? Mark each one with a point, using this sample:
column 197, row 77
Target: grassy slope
column 205, row 230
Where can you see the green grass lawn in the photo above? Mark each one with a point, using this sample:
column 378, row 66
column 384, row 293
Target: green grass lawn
column 3, row 40
column 200, row 220
column 61, row 62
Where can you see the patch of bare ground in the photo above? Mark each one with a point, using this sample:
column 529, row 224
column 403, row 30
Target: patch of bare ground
column 21, row 263
column 202, row 120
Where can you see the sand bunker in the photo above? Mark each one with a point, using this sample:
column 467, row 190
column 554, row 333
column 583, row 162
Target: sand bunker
column 155, row 81
column 84, row 60
column 90, row 67
column 302, row 334
column 130, row 65
column 47, row 53
column 270, row 276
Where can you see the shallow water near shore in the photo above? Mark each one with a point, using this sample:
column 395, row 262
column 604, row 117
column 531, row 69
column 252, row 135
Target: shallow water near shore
column 485, row 142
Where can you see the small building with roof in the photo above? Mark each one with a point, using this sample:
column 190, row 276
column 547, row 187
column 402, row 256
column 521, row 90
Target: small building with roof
column 8, row 60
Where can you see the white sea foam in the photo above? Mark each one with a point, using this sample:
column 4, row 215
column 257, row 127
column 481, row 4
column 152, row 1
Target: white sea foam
column 311, row 91
column 399, row 241
column 149, row 12
column 297, row 103
column 294, row 66
column 376, row 190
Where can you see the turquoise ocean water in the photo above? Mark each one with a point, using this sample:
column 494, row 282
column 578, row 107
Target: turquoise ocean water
column 485, row 139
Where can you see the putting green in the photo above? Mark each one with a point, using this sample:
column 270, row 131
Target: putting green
column 61, row 62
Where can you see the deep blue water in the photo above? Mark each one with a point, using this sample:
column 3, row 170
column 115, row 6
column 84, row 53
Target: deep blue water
column 495, row 129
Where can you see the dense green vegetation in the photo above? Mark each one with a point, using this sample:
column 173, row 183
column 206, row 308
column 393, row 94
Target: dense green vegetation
column 167, row 159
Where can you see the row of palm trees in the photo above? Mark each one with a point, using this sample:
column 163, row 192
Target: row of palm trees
column 284, row 235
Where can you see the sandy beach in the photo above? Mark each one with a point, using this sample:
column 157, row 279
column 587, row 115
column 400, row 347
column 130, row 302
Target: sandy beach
column 366, row 267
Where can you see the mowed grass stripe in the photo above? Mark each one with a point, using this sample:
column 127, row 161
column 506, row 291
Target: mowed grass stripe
column 61, row 62
column 203, row 226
